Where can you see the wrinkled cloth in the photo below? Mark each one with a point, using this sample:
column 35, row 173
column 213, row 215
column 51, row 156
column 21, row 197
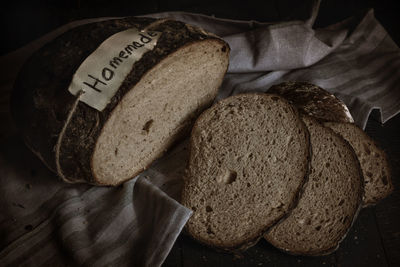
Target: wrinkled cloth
column 45, row 222
column 355, row 59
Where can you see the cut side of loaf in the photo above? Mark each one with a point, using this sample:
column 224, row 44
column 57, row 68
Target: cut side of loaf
column 248, row 161
column 157, row 109
column 314, row 101
column 164, row 92
column 373, row 161
column 330, row 201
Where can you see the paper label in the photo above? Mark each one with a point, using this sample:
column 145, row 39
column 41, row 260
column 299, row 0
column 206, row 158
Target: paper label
column 103, row 71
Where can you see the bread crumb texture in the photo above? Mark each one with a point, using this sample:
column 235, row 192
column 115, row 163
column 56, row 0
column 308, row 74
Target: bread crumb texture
column 248, row 160
column 374, row 163
column 330, row 201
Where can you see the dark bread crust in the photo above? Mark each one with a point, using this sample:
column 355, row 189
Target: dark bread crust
column 251, row 241
column 313, row 100
column 41, row 102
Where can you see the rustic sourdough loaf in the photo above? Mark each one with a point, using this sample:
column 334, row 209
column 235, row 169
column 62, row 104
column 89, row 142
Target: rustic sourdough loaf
column 248, row 161
column 313, row 100
column 373, row 161
column 157, row 102
column 330, row 201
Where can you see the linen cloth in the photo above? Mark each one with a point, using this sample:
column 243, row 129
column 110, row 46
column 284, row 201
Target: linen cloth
column 45, row 222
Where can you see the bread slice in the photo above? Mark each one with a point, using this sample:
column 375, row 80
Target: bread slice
column 330, row 201
column 313, row 100
column 166, row 89
column 248, row 160
column 373, row 160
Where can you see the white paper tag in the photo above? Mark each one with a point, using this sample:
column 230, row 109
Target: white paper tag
column 103, row 71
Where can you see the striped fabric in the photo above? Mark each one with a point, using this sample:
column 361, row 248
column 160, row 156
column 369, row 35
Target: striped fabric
column 44, row 222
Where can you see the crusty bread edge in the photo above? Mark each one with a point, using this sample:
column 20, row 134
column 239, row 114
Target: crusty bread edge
column 237, row 249
column 360, row 206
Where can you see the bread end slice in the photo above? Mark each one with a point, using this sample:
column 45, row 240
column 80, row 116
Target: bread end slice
column 314, row 101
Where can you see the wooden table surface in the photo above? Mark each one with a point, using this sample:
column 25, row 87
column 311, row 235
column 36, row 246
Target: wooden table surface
column 374, row 240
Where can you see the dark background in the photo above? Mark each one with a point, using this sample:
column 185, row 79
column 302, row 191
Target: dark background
column 25, row 20
column 374, row 240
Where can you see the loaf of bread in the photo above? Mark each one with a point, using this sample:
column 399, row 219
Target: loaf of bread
column 331, row 198
column 248, row 161
column 373, row 161
column 162, row 94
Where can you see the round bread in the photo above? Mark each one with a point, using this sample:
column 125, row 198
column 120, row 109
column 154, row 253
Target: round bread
column 165, row 90
column 314, row 101
column 248, row 161
column 330, row 201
